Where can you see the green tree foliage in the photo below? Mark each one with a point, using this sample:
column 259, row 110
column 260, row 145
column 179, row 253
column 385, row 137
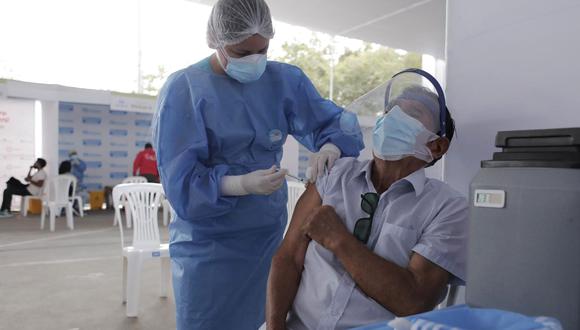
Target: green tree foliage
column 356, row 72
column 360, row 71
column 313, row 58
column 152, row 82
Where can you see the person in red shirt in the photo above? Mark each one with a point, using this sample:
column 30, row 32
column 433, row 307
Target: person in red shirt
column 145, row 164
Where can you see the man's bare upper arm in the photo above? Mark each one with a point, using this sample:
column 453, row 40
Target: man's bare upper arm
column 295, row 242
column 431, row 279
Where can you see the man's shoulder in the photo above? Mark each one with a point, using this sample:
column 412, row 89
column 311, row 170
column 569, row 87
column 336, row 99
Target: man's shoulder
column 348, row 165
column 444, row 194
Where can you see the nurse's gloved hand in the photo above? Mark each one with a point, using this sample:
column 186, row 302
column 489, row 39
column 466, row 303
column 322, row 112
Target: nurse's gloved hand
column 324, row 159
column 263, row 182
column 259, row 182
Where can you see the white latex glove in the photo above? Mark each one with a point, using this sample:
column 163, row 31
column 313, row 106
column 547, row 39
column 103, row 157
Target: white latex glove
column 259, row 182
column 325, row 158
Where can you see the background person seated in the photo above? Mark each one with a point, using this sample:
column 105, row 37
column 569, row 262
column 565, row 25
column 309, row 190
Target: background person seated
column 15, row 187
column 145, row 164
column 374, row 239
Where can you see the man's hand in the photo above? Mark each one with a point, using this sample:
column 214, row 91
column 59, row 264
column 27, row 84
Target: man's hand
column 325, row 227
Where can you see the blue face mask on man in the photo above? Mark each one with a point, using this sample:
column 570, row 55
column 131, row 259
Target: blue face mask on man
column 245, row 69
column 397, row 135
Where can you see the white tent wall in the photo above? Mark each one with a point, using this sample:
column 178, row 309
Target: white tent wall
column 50, row 135
column 511, row 65
column 16, row 140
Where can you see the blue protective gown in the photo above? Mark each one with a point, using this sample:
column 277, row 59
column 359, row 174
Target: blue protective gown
column 207, row 126
column 78, row 168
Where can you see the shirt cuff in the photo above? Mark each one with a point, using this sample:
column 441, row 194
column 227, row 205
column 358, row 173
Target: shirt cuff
column 435, row 257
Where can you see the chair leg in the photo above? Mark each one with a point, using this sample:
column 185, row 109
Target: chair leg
column 165, row 271
column 24, row 207
column 165, row 216
column 128, row 216
column 42, row 217
column 133, row 285
column 70, row 217
column 124, row 280
column 116, row 217
column 52, row 216
column 82, row 212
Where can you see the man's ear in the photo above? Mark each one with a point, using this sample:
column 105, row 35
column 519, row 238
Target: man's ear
column 438, row 147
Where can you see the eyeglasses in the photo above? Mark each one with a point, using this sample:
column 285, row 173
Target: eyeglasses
column 362, row 227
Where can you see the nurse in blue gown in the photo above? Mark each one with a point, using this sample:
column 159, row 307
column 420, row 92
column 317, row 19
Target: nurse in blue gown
column 219, row 131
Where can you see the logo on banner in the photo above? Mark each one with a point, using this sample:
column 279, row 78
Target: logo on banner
column 119, row 123
column 117, row 144
column 94, row 164
column 95, row 133
column 118, row 113
column 118, row 154
column 140, row 144
column 118, row 132
column 118, row 175
column 143, row 123
column 92, row 120
column 142, row 134
column 92, row 142
column 66, row 130
column 92, row 155
column 124, row 166
column 93, row 177
column 65, row 107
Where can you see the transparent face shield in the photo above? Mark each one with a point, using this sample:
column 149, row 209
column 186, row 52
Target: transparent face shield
column 412, row 92
column 416, row 96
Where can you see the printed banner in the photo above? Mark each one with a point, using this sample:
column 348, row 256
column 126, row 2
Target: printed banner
column 107, row 140
column 132, row 102
column 16, row 141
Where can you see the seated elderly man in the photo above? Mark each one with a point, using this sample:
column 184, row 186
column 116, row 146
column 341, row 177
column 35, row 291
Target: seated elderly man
column 374, row 239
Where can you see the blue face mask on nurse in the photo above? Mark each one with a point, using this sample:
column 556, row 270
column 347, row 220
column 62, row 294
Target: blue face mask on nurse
column 219, row 132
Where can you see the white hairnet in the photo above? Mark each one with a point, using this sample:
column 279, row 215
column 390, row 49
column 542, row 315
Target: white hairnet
column 233, row 21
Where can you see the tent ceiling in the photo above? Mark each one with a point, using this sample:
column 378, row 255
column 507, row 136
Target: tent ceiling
column 414, row 25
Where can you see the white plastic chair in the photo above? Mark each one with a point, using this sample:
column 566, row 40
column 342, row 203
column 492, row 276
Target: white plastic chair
column 142, row 200
column 167, row 212
column 295, row 190
column 74, row 197
column 56, row 198
column 131, row 179
column 135, row 179
column 25, row 200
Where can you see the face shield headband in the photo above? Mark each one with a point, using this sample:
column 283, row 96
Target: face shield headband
column 440, row 96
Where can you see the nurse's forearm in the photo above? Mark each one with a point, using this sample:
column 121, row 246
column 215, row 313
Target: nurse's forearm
column 282, row 287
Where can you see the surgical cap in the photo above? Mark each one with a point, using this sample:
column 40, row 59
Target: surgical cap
column 233, row 21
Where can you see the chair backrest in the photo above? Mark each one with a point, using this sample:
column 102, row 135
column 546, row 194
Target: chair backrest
column 143, row 201
column 57, row 188
column 135, row 179
column 295, row 190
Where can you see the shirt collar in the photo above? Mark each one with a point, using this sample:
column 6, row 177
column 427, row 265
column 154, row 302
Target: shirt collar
column 416, row 179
